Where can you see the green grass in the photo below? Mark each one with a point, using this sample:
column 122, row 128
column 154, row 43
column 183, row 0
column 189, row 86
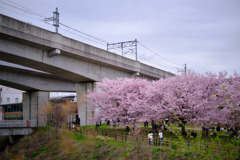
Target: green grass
column 72, row 145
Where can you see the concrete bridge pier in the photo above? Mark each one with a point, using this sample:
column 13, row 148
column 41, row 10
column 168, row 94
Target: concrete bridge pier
column 83, row 112
column 14, row 139
column 32, row 102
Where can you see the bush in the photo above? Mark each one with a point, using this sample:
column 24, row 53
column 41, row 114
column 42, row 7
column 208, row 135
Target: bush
column 42, row 149
column 188, row 153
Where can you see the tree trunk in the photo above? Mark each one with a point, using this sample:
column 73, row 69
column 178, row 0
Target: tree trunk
column 183, row 129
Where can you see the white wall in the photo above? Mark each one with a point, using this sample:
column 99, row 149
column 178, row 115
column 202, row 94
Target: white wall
column 10, row 93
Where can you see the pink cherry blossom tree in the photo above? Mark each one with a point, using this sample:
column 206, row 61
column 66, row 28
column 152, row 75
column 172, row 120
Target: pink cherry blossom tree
column 188, row 97
column 229, row 99
column 119, row 99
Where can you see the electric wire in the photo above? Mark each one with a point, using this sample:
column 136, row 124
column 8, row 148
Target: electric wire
column 164, row 64
column 157, row 62
column 28, row 11
column 158, row 54
column 19, row 8
column 161, row 66
column 101, row 40
column 36, row 13
column 34, row 18
column 80, row 36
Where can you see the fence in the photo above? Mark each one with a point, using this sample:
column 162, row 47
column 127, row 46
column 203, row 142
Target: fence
column 167, row 142
column 18, row 123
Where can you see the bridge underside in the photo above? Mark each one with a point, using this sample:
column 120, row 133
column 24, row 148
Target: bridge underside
column 68, row 62
column 27, row 80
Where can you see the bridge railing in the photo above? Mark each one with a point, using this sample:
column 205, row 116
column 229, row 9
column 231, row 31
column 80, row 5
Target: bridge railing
column 17, row 123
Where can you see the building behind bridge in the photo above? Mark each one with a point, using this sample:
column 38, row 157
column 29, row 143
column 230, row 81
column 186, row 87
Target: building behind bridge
column 10, row 103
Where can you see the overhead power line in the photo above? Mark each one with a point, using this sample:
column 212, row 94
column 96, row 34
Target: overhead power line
column 158, row 54
column 156, row 62
column 33, row 12
column 42, row 18
column 101, row 40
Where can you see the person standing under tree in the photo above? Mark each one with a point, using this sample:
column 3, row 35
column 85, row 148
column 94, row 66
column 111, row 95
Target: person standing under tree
column 152, row 125
column 97, row 124
column 160, row 134
column 150, row 137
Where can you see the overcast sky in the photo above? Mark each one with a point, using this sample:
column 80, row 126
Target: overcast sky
column 204, row 34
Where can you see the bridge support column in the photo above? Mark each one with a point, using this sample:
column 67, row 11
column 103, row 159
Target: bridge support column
column 32, row 103
column 83, row 112
column 14, row 139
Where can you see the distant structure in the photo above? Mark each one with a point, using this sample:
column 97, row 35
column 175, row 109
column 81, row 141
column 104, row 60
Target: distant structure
column 10, row 103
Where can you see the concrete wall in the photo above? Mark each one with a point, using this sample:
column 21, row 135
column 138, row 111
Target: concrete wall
column 33, row 103
column 15, row 131
column 10, row 93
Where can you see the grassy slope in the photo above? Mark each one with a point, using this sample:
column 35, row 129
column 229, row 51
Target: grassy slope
column 68, row 145
column 44, row 144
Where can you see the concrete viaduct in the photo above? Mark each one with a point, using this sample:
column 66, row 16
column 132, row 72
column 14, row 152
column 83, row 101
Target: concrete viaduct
column 65, row 64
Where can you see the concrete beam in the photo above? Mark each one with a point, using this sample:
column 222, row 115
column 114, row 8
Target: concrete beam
column 32, row 81
column 15, row 131
column 96, row 60
column 54, row 52
column 59, row 66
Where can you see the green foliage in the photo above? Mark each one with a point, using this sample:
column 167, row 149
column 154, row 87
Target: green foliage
column 171, row 155
column 188, row 154
column 106, row 151
column 58, row 140
column 99, row 145
column 156, row 149
column 96, row 156
column 156, row 156
column 174, row 146
column 45, row 128
column 164, row 149
column 126, row 154
column 78, row 137
column 41, row 150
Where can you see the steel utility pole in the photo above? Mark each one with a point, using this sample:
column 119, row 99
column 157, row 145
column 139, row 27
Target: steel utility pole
column 185, row 67
column 56, row 20
column 128, row 44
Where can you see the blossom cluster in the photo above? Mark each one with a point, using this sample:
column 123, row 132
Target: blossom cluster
column 189, row 97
